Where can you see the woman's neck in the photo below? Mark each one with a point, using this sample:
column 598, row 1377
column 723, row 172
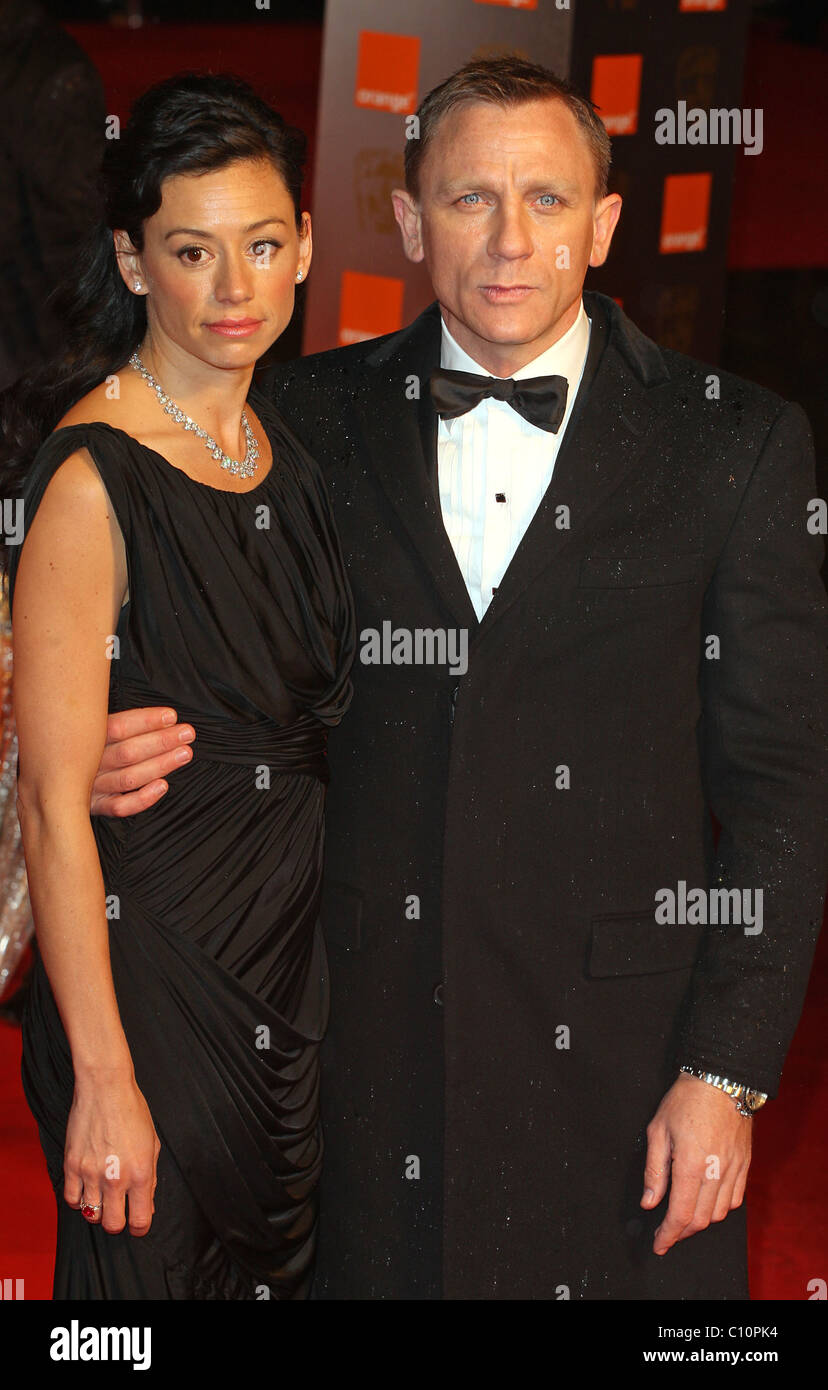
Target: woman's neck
column 214, row 397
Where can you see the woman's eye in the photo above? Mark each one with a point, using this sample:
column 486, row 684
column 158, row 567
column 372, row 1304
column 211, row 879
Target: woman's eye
column 262, row 250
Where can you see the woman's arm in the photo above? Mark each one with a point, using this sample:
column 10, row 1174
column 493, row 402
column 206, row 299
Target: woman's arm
column 70, row 582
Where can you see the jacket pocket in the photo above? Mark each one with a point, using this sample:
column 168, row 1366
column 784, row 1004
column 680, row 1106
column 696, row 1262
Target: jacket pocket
column 341, row 915
column 633, row 943
column 637, row 571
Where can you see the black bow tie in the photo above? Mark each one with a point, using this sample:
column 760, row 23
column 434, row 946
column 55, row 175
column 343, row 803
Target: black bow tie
column 539, row 399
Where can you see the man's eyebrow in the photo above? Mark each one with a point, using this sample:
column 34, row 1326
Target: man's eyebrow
column 454, row 185
column 194, row 231
column 555, row 181
column 552, row 184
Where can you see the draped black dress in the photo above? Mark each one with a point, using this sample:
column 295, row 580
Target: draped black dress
column 241, row 618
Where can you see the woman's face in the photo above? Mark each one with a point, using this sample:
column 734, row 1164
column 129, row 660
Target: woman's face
column 219, row 264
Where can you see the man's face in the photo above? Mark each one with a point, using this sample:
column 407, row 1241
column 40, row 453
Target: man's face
column 507, row 224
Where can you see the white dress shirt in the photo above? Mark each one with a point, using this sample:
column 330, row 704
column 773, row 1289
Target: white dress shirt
column 491, row 452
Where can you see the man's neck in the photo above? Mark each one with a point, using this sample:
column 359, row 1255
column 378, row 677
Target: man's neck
column 502, row 359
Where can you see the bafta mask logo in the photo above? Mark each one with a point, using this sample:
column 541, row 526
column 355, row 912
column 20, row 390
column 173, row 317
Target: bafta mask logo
column 376, row 172
column 696, row 76
column 676, row 311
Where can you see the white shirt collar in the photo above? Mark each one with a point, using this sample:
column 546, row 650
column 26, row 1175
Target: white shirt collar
column 564, row 358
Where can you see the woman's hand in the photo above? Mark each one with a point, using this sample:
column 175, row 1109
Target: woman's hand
column 111, row 1153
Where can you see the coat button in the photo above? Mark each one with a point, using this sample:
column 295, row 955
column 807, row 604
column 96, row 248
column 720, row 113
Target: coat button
column 438, row 994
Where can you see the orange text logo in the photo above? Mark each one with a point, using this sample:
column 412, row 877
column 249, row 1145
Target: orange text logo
column 685, row 212
column 388, row 69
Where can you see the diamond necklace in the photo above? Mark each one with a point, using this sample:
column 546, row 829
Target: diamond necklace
column 245, row 468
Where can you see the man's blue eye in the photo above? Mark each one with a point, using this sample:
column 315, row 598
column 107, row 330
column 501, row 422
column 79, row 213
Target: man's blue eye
column 552, row 196
column 469, row 195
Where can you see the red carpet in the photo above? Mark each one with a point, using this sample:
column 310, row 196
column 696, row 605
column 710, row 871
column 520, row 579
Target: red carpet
column 787, row 1205
column 788, row 1212
column 27, row 1215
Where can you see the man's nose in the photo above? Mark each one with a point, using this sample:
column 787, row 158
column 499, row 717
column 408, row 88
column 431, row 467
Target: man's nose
column 511, row 235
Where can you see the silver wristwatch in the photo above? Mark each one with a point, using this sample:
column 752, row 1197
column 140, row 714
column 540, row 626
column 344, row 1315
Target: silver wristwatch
column 746, row 1100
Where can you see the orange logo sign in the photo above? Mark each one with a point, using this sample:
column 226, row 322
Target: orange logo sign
column 685, row 212
column 513, row 4
column 695, row 5
column 388, row 69
column 616, row 85
column 369, row 305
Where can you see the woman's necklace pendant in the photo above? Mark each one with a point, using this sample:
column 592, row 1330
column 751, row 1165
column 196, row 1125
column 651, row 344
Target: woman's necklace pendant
column 240, row 468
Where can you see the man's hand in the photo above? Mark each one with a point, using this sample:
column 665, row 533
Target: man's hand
column 698, row 1130
column 142, row 746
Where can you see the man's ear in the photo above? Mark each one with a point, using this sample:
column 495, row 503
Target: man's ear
column 129, row 262
column 605, row 219
column 407, row 213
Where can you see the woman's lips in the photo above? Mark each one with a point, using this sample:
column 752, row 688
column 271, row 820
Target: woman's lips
column 240, row 328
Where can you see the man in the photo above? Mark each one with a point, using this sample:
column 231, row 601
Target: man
column 629, row 557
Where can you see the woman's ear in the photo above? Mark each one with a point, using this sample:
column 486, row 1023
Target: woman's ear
column 305, row 246
column 129, row 263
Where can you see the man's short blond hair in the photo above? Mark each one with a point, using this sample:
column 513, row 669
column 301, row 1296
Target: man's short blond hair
column 506, row 81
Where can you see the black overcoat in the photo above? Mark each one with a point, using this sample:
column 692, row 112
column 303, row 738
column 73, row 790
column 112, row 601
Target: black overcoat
column 507, row 1011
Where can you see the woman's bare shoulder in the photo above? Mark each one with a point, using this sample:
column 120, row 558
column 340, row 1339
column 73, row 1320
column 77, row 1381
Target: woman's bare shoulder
column 97, row 404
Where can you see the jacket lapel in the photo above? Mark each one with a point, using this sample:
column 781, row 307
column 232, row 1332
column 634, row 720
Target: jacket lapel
column 605, row 440
column 399, row 428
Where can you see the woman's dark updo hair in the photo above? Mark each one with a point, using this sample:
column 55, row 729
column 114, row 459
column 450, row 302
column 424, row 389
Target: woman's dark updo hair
column 192, row 123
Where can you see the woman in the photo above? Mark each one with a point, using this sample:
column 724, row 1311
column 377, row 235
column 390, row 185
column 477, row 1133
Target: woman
column 179, row 549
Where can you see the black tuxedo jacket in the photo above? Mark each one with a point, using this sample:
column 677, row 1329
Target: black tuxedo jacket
column 507, row 1009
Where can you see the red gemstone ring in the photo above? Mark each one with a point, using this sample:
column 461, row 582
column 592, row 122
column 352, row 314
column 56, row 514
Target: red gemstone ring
column 89, row 1210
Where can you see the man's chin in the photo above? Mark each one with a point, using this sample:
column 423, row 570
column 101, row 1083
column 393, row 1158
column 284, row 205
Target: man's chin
column 509, row 330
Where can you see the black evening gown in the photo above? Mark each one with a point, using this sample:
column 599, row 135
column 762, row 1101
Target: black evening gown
column 241, row 618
